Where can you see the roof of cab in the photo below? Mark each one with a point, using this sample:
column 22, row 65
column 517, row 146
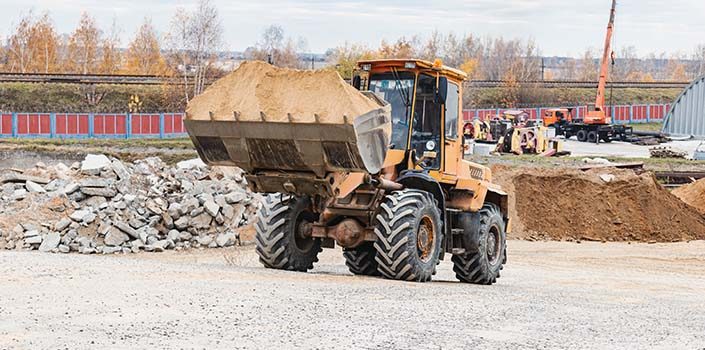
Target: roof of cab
column 399, row 62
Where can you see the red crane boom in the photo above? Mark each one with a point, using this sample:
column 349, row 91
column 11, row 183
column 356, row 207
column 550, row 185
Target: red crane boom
column 597, row 114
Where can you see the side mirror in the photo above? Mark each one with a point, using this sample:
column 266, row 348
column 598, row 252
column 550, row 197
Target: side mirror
column 356, row 82
column 442, row 91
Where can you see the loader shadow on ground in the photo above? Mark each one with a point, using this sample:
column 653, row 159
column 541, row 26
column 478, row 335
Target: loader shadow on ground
column 551, row 295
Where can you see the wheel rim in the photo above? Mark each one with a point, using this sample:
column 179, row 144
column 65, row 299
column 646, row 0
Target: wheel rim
column 302, row 232
column 493, row 245
column 425, row 239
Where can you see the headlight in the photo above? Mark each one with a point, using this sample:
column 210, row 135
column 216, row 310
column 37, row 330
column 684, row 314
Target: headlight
column 410, row 65
column 366, row 67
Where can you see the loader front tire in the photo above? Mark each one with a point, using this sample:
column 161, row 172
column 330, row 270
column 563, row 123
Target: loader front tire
column 281, row 239
column 361, row 260
column 409, row 235
column 483, row 264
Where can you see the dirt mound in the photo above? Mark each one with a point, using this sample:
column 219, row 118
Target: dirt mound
column 693, row 194
column 257, row 88
column 563, row 204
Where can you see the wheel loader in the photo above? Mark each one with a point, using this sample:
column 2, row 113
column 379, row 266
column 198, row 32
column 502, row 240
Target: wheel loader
column 389, row 186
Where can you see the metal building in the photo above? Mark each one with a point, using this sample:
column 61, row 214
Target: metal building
column 687, row 114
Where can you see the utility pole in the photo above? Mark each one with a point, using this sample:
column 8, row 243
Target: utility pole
column 543, row 69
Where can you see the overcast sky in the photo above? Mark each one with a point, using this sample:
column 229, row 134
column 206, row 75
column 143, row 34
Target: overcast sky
column 560, row 27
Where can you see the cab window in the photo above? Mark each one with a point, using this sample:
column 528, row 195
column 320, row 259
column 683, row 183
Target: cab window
column 452, row 110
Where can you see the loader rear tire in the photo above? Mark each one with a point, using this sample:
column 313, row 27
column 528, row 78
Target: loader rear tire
column 361, row 260
column 482, row 266
column 280, row 239
column 409, row 235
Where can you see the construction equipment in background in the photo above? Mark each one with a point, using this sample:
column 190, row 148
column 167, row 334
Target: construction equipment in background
column 597, row 125
column 557, row 118
column 699, row 153
column 513, row 132
column 386, row 182
column 667, row 152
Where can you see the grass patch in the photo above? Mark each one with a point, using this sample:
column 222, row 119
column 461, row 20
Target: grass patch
column 651, row 127
column 178, row 143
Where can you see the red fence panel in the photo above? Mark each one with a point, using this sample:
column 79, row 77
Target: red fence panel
column 72, row 124
column 168, row 123
column 154, row 124
column 6, row 124
column 179, row 123
column 110, row 124
column 33, row 123
column 145, row 124
column 640, row 113
column 622, row 114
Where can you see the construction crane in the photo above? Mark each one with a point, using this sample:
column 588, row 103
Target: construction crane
column 596, row 114
column 597, row 124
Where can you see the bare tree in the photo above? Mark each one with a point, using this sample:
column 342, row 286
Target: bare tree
column 272, row 40
column 699, row 58
column 83, row 46
column 110, row 56
column 626, row 66
column 277, row 49
column 194, row 40
column 588, row 66
column 433, row 47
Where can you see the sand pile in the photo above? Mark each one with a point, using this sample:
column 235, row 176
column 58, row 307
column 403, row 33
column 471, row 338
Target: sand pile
column 693, row 194
column 257, row 88
column 599, row 205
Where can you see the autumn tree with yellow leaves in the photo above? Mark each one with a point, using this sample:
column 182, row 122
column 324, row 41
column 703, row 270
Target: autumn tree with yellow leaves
column 143, row 54
column 33, row 47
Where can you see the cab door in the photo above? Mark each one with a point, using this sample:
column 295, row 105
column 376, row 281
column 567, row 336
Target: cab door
column 452, row 153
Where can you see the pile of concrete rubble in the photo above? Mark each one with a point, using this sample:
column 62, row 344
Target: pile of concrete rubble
column 103, row 205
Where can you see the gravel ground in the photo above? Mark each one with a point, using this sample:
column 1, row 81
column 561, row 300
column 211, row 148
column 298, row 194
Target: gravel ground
column 624, row 149
column 551, row 295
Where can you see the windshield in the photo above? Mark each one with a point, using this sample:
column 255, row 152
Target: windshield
column 398, row 90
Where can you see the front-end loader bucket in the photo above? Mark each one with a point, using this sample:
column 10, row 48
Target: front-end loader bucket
column 290, row 130
column 318, row 148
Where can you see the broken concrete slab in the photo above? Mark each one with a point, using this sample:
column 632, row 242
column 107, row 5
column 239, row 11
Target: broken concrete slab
column 78, row 215
column 94, row 163
column 120, row 170
column 18, row 177
column 190, row 164
column 51, row 241
column 34, row 187
column 115, row 237
column 211, row 208
column 62, row 224
column 98, row 191
column 127, row 229
column 95, row 182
